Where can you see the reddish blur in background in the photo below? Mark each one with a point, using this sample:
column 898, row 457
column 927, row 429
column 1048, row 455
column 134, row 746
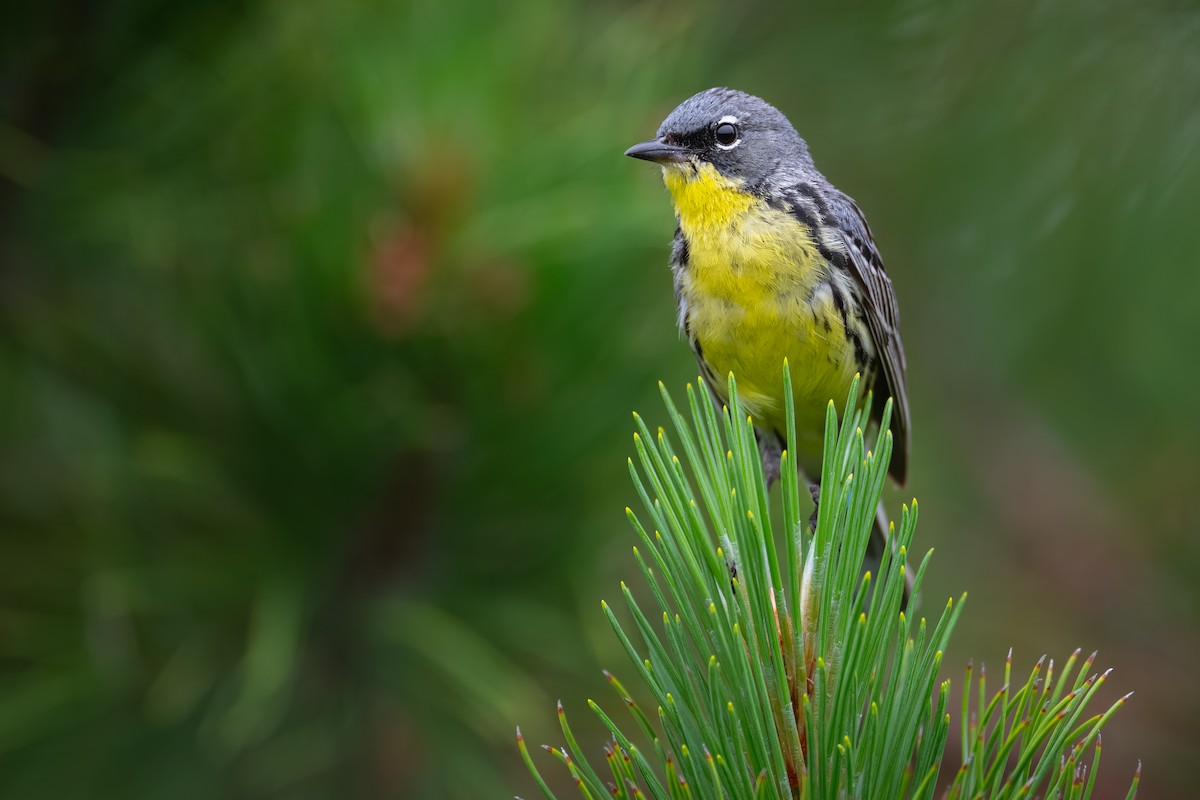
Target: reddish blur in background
column 320, row 326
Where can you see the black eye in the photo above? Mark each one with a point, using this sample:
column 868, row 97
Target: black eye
column 727, row 133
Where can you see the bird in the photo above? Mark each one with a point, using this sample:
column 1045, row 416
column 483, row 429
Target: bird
column 770, row 261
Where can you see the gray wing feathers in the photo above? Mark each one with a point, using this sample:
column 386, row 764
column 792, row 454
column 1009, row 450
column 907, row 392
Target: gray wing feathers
column 883, row 319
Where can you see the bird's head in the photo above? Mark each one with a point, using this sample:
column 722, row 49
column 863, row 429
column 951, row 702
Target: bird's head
column 745, row 139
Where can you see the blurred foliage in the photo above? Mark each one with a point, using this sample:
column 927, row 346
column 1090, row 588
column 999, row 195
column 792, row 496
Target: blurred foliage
column 320, row 324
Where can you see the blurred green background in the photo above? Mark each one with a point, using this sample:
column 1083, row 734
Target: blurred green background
column 320, row 326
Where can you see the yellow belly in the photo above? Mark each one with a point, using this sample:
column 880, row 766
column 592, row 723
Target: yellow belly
column 757, row 291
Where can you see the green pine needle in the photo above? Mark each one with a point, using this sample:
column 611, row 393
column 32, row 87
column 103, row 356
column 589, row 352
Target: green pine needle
column 790, row 672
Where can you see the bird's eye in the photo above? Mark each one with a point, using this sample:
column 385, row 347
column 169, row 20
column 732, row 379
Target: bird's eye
column 727, row 134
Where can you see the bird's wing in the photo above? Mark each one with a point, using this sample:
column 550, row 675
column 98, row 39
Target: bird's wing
column 883, row 320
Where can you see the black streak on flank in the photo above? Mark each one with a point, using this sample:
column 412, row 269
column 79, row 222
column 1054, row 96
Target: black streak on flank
column 860, row 352
column 811, row 194
column 797, row 212
column 839, row 302
column 829, row 255
column 813, row 224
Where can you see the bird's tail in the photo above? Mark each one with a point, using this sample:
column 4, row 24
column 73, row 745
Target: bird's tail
column 879, row 543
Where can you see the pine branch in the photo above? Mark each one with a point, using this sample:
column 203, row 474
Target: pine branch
column 778, row 669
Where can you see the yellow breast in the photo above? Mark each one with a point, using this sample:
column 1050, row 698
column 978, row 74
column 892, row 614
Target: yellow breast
column 757, row 290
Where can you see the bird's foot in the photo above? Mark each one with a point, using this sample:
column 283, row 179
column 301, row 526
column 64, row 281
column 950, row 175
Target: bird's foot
column 814, row 489
column 770, row 449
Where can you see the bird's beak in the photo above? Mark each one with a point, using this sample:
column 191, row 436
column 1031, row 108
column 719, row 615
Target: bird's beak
column 658, row 151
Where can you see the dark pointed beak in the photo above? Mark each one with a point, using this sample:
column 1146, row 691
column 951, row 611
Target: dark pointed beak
column 658, row 151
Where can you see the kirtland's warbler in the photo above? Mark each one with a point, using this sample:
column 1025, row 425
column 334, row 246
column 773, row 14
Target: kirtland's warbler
column 770, row 262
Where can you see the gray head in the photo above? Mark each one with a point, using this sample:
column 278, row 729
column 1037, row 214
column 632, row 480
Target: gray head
column 744, row 137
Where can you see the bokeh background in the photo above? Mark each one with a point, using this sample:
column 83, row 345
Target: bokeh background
column 321, row 323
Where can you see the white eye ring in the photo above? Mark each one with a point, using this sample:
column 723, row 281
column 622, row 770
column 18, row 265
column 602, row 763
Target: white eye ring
column 728, row 120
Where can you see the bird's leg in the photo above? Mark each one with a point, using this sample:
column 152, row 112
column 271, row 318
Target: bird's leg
column 814, row 489
column 770, row 449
